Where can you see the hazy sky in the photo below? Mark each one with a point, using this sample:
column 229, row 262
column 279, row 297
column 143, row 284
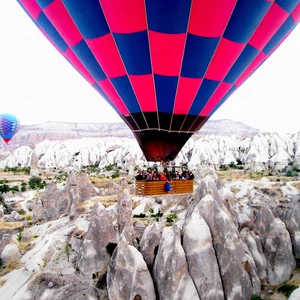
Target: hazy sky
column 37, row 84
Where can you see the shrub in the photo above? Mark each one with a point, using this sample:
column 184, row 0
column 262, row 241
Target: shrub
column 109, row 167
column 232, row 165
column 4, row 188
column 116, row 175
column 22, row 212
column 256, row 297
column 287, row 289
column 34, row 180
column 67, row 250
column 296, row 169
column 141, row 215
column 170, row 219
column 19, row 235
column 14, row 189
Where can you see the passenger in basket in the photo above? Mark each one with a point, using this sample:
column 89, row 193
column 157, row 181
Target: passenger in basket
column 163, row 176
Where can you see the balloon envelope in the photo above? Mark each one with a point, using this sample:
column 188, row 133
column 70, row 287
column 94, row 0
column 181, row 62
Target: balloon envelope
column 165, row 66
column 9, row 126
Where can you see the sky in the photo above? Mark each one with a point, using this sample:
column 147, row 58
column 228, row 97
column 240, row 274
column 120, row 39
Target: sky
column 38, row 85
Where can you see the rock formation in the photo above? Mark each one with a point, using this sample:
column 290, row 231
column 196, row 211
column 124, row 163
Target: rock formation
column 170, row 270
column 93, row 255
column 201, row 258
column 149, row 243
column 128, row 276
column 222, row 245
column 10, row 253
column 57, row 201
column 277, row 246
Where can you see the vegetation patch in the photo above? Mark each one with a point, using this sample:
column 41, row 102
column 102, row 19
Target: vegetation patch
column 296, row 185
column 2, row 282
column 141, row 215
column 4, row 225
column 234, row 190
column 11, row 265
column 26, row 246
column 170, row 219
column 287, row 289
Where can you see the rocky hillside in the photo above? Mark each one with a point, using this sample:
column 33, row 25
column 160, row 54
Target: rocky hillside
column 231, row 240
column 73, row 146
column 29, row 135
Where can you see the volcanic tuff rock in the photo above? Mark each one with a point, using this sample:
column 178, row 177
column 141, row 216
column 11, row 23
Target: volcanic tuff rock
column 57, row 201
column 125, row 217
column 128, row 276
column 7, row 239
column 237, row 271
column 255, row 247
column 201, row 258
column 170, row 271
column 93, row 257
column 277, row 246
column 10, row 253
column 218, row 142
column 205, row 254
column 149, row 243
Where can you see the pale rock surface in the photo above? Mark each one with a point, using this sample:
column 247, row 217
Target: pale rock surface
column 279, row 255
column 277, row 246
column 51, row 285
column 113, row 188
column 97, row 208
column 1, row 213
column 93, row 256
column 124, row 205
column 149, row 242
column 201, row 258
column 61, row 145
column 254, row 245
column 56, row 201
column 10, row 253
column 14, row 215
column 291, row 217
column 7, row 239
column 170, row 270
column 128, row 275
column 239, row 278
column 51, row 204
column 26, row 235
column 80, row 189
column 295, row 295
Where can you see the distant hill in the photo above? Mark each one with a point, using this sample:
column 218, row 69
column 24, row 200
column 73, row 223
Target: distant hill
column 74, row 145
column 61, row 131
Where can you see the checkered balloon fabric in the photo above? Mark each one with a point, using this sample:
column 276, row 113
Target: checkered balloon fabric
column 165, row 66
column 9, row 126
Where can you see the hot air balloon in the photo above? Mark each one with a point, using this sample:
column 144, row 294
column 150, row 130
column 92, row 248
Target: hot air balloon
column 9, row 125
column 165, row 66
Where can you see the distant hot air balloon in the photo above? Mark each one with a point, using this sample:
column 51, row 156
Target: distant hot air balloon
column 9, row 126
column 165, row 66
